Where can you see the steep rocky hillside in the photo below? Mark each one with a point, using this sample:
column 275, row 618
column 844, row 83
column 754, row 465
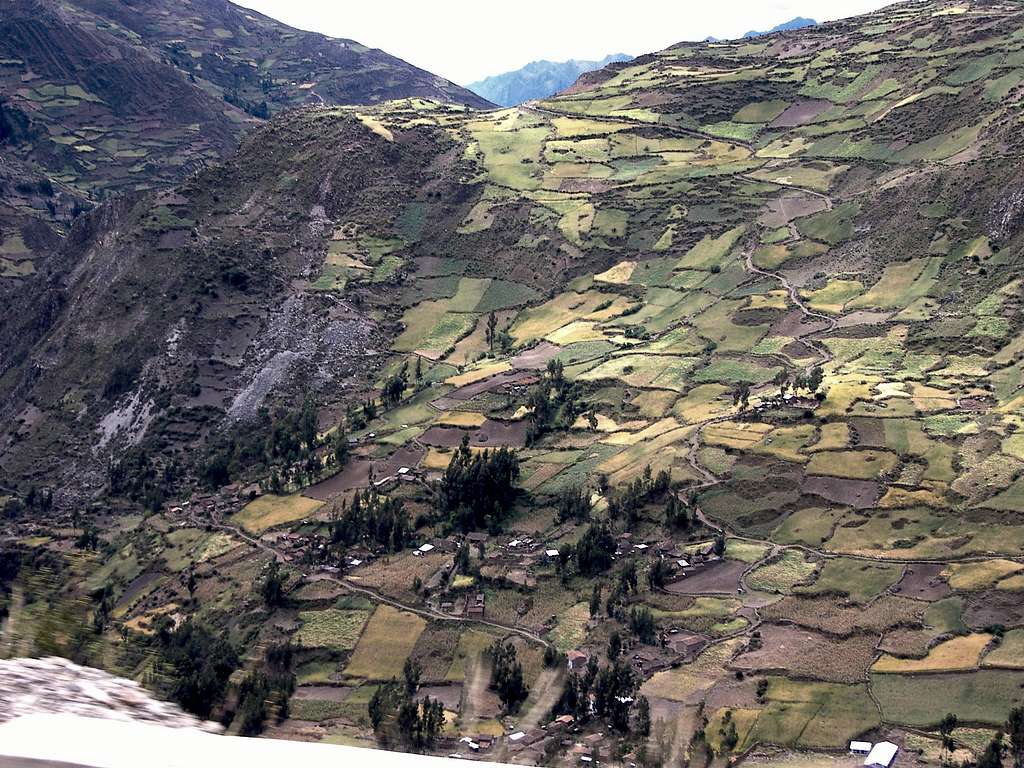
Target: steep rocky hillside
column 254, row 59
column 102, row 97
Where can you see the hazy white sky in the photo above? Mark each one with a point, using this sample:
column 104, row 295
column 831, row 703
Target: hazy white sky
column 466, row 40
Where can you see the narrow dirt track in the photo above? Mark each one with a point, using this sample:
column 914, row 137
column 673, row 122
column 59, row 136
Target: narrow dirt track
column 372, row 594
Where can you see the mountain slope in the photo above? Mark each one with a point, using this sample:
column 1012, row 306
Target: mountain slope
column 786, row 136
column 112, row 95
column 255, row 59
column 752, row 306
column 101, row 97
column 537, row 80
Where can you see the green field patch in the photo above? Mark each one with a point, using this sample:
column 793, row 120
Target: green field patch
column 984, row 696
column 592, row 150
column 610, row 223
column 711, row 251
column 774, row 256
column 999, row 88
column 784, row 573
column 1008, row 652
column 511, row 146
column 430, row 327
column 943, row 146
column 269, row 511
column 728, row 371
column 727, row 129
column 975, row 69
column 787, row 443
column 538, row 322
column 812, row 527
column 858, row 579
column 832, row 226
column 330, row 628
column 703, row 402
column 834, row 296
column 809, row 714
column 819, row 175
column 385, row 644
column 472, row 645
column 571, row 629
column 716, row 324
column 760, row 111
column 571, row 127
column 648, row 371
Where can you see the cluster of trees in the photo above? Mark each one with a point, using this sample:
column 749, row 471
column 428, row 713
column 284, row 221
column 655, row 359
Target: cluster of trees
column 573, row 504
column 641, row 622
column 554, row 402
column 811, row 382
column 394, row 386
column 614, row 690
column 35, row 500
column 478, row 489
column 494, row 337
column 265, row 692
column 398, row 719
column 996, row 750
column 286, row 445
column 259, row 110
column 593, row 553
column 677, row 515
column 372, row 519
column 271, row 585
column 629, row 501
column 199, row 664
column 627, row 583
column 143, row 478
column 507, row 676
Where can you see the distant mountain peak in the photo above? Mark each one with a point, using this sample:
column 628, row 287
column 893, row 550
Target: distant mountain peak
column 797, row 22
column 538, row 79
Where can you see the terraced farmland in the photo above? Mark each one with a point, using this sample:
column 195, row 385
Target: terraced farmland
column 747, row 314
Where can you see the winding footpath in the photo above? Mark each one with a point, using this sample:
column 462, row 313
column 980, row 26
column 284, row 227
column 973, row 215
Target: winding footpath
column 371, row 594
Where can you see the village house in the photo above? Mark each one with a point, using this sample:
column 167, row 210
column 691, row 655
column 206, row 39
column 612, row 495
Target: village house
column 423, row 550
column 475, row 605
column 647, row 661
column 576, row 660
column 882, row 755
column 561, row 722
column 686, row 644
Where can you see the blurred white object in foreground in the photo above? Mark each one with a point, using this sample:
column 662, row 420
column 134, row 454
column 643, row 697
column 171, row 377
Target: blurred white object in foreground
column 84, row 741
column 57, row 686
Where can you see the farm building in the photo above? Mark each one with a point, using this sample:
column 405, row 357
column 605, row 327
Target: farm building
column 881, row 755
column 577, row 660
column 686, row 644
column 475, row 605
column 860, row 747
